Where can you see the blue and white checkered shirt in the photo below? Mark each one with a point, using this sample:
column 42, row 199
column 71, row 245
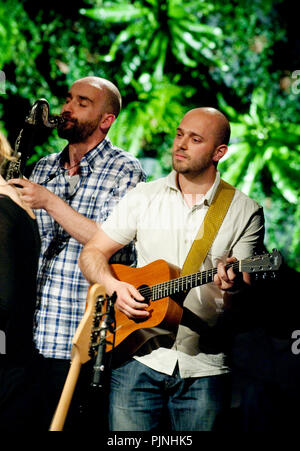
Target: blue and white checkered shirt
column 106, row 174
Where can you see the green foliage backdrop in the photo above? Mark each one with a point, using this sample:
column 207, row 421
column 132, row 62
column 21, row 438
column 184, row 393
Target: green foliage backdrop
column 168, row 56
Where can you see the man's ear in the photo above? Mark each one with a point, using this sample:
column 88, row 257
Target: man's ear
column 106, row 121
column 220, row 151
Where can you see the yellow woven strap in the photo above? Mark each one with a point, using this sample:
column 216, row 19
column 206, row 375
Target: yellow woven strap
column 209, row 228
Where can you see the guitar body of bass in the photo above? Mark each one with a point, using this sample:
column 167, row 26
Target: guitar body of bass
column 165, row 313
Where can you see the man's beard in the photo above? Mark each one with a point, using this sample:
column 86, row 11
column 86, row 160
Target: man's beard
column 79, row 131
column 186, row 169
column 196, row 168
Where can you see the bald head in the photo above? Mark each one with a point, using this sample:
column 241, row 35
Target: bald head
column 217, row 121
column 112, row 99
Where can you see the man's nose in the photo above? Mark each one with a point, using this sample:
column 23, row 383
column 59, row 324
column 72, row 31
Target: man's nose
column 183, row 143
column 68, row 107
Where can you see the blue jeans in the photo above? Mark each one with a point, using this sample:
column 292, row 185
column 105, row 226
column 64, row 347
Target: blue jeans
column 142, row 399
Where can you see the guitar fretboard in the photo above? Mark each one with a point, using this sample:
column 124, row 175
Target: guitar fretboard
column 181, row 284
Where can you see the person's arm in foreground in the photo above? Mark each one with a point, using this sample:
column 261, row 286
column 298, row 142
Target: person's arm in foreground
column 93, row 262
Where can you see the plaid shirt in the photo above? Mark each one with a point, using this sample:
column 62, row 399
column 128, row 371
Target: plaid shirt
column 106, row 174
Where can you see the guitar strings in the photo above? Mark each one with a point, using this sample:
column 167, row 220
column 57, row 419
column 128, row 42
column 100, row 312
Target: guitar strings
column 163, row 289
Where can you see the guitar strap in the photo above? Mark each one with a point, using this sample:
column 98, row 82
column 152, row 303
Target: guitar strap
column 209, row 228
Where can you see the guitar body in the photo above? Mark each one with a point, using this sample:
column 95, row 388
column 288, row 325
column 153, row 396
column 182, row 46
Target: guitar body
column 165, row 313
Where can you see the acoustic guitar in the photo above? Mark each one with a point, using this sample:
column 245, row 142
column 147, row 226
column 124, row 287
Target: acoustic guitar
column 164, row 291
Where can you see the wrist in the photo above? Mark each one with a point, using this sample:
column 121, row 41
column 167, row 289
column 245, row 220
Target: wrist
column 49, row 202
column 110, row 283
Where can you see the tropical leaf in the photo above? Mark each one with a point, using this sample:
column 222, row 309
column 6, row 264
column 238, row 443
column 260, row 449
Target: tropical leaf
column 286, row 178
column 155, row 111
column 129, row 33
column 115, row 13
column 238, row 129
column 254, row 169
column 160, row 62
column 202, row 29
column 189, row 40
column 239, row 157
column 228, row 110
column 179, row 50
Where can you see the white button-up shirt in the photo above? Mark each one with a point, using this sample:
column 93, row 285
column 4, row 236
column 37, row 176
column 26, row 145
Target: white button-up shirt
column 157, row 217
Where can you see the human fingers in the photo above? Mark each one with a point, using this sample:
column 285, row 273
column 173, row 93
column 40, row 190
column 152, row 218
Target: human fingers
column 129, row 301
column 225, row 276
column 19, row 182
column 231, row 275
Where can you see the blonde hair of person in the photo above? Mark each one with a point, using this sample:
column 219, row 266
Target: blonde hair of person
column 5, row 153
column 5, row 149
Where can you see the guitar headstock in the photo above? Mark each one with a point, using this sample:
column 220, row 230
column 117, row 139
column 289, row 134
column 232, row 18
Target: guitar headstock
column 262, row 263
column 103, row 327
column 103, row 324
column 96, row 294
column 99, row 312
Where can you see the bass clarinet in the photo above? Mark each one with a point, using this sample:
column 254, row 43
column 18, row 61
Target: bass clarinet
column 38, row 117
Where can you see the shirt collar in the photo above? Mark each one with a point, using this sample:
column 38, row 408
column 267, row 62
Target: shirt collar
column 90, row 159
column 171, row 182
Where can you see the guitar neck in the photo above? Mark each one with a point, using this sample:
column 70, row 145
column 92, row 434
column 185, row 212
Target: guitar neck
column 185, row 283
